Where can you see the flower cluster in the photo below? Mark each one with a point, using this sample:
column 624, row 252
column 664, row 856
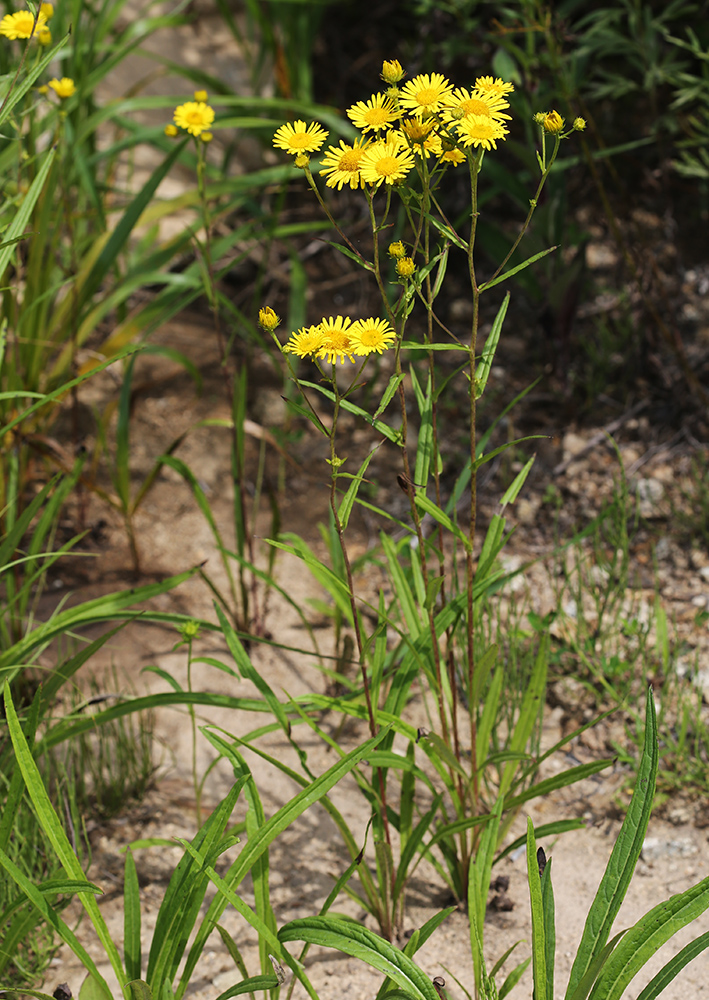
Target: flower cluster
column 335, row 338
column 426, row 117
column 21, row 24
column 553, row 123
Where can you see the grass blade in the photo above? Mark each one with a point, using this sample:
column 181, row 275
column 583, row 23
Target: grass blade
column 55, row 832
column 539, row 952
column 359, row 942
column 623, row 859
column 646, row 936
column 131, row 919
column 668, row 972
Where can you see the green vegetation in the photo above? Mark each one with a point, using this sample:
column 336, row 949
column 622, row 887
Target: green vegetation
column 430, row 191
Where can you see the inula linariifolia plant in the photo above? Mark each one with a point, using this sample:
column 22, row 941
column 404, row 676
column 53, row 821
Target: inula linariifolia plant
column 420, row 634
column 426, row 676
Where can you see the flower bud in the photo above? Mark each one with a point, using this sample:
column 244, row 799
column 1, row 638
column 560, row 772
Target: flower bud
column 268, row 319
column 392, row 71
column 553, row 122
column 405, row 267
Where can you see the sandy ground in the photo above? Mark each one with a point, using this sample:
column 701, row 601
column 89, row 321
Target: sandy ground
column 174, row 536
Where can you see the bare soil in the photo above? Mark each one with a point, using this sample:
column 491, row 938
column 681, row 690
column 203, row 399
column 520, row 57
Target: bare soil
column 173, row 536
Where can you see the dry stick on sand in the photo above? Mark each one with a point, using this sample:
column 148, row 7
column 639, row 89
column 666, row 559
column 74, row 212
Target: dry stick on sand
column 600, row 437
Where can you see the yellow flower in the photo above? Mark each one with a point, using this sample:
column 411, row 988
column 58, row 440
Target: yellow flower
column 206, row 137
column 552, row 122
column 405, row 267
column 44, row 89
column 336, row 345
column 377, row 113
column 201, row 96
column 402, row 139
column 397, row 250
column 48, row 10
column 301, row 160
column 171, row 131
column 63, row 88
column 425, row 94
column 341, row 166
column 385, row 162
column 579, row 124
column 369, row 335
column 416, row 130
column 195, row 116
column 476, row 130
column 462, row 103
column 446, row 151
column 21, row 24
column 498, row 87
column 268, row 319
column 392, row 71
column 307, row 342
column 44, row 37
column 300, row 138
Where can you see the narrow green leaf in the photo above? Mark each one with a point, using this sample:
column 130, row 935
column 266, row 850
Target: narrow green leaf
column 585, row 985
column 250, row 986
column 55, row 833
column 347, row 502
column 544, row 830
column 53, row 920
column 512, row 492
column 562, row 780
column 429, row 507
column 16, row 228
column 361, row 943
column 139, row 990
column 644, row 939
column 669, row 972
column 379, row 425
column 131, row 921
column 126, row 224
column 482, row 372
column 539, row 958
column 508, row 274
column 549, row 926
column 623, row 859
column 513, row 978
column 388, row 394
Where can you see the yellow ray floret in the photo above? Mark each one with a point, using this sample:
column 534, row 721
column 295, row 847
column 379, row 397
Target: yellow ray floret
column 497, row 86
column 341, row 166
column 476, row 130
column 377, row 113
column 195, row 116
column 21, row 24
column 63, row 88
column 337, row 344
column 297, row 137
column 370, row 335
column 425, row 94
column 386, row 162
column 306, row 343
column 462, row 103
